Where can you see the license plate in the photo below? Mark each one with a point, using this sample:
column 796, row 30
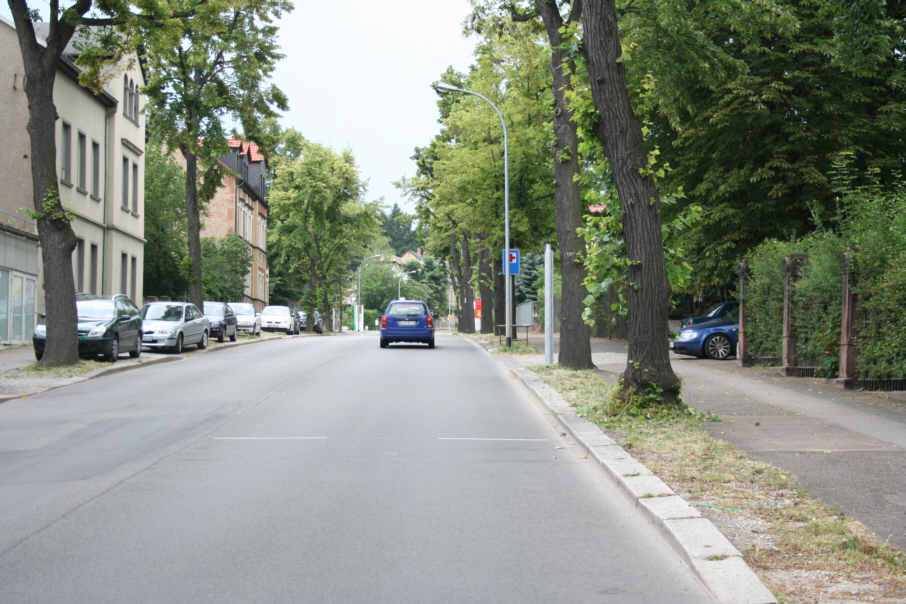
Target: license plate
column 407, row 323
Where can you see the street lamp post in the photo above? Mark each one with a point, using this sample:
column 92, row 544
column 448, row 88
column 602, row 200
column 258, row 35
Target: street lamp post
column 359, row 314
column 441, row 88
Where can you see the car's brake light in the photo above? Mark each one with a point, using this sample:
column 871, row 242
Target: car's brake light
column 383, row 321
column 430, row 321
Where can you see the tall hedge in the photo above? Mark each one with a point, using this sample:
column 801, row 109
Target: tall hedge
column 872, row 232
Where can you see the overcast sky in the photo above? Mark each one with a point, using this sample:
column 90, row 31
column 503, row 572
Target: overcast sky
column 358, row 76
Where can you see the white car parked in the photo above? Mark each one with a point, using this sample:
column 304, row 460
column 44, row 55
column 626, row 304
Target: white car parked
column 247, row 320
column 278, row 318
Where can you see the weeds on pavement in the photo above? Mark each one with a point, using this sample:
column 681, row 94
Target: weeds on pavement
column 802, row 550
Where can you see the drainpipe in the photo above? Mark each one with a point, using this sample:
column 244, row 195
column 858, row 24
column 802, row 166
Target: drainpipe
column 105, row 243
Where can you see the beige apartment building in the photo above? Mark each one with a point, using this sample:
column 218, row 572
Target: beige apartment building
column 100, row 160
column 240, row 206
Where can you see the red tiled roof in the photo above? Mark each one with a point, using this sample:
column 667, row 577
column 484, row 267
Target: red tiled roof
column 246, row 148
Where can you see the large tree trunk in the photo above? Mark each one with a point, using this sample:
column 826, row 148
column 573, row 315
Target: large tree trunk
column 467, row 300
column 648, row 369
column 193, row 228
column 485, row 291
column 575, row 343
column 54, row 231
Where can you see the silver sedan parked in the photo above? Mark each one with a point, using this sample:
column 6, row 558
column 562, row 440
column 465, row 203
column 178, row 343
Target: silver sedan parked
column 173, row 325
column 247, row 319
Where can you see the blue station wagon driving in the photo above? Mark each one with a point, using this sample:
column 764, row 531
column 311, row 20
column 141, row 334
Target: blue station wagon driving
column 407, row 321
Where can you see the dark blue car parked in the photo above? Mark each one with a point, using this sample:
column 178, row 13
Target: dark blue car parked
column 407, row 321
column 714, row 335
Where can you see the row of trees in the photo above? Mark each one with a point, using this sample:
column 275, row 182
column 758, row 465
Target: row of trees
column 534, row 60
column 694, row 129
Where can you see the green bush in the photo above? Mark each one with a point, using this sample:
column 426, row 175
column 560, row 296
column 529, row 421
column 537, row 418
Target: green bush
column 817, row 304
column 764, row 301
column 876, row 231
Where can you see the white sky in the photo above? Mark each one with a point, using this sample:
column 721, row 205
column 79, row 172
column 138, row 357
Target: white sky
column 358, row 76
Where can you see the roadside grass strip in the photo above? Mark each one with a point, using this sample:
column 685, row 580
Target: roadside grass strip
column 802, row 550
column 496, row 344
column 84, row 366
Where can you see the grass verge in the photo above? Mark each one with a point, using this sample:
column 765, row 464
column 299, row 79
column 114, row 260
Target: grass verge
column 803, row 551
column 36, row 370
column 496, row 344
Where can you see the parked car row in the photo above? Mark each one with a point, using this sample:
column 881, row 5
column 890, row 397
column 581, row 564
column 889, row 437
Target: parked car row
column 110, row 325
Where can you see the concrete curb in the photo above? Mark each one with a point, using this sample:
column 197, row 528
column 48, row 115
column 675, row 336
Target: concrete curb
column 717, row 563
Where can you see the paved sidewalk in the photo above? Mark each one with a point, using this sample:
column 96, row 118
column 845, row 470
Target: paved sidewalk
column 18, row 380
column 846, row 447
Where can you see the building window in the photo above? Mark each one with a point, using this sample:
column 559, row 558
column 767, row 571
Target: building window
column 135, row 99
column 134, row 281
column 124, row 274
column 126, row 103
column 262, row 231
column 83, row 163
column 93, row 282
column 126, row 183
column 95, row 170
column 135, row 189
column 66, row 151
column 80, row 265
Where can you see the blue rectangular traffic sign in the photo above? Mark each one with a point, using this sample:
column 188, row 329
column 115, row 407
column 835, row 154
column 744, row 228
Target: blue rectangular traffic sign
column 513, row 261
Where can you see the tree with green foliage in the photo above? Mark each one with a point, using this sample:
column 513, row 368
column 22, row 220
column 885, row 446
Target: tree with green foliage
column 211, row 66
column 575, row 343
column 399, row 227
column 109, row 32
column 748, row 104
column 227, row 262
column 318, row 223
column 460, row 181
column 165, row 226
column 648, row 372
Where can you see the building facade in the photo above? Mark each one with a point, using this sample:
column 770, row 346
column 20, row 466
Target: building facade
column 240, row 206
column 100, row 142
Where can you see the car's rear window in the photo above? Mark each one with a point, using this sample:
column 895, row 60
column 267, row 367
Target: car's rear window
column 407, row 309
column 100, row 310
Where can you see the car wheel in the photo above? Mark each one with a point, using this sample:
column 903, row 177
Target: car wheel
column 179, row 341
column 718, row 347
column 220, row 337
column 134, row 354
column 114, row 353
column 383, row 343
column 233, row 335
column 203, row 343
column 431, row 343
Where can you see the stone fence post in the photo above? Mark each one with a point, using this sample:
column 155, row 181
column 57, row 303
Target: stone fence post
column 791, row 265
column 741, row 354
column 848, row 352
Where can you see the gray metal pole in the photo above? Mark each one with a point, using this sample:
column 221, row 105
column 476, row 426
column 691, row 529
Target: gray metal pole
column 548, row 304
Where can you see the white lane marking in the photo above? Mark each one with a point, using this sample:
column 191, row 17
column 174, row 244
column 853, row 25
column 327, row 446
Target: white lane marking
column 270, row 438
column 478, row 438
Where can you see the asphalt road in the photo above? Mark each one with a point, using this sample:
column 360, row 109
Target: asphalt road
column 314, row 470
